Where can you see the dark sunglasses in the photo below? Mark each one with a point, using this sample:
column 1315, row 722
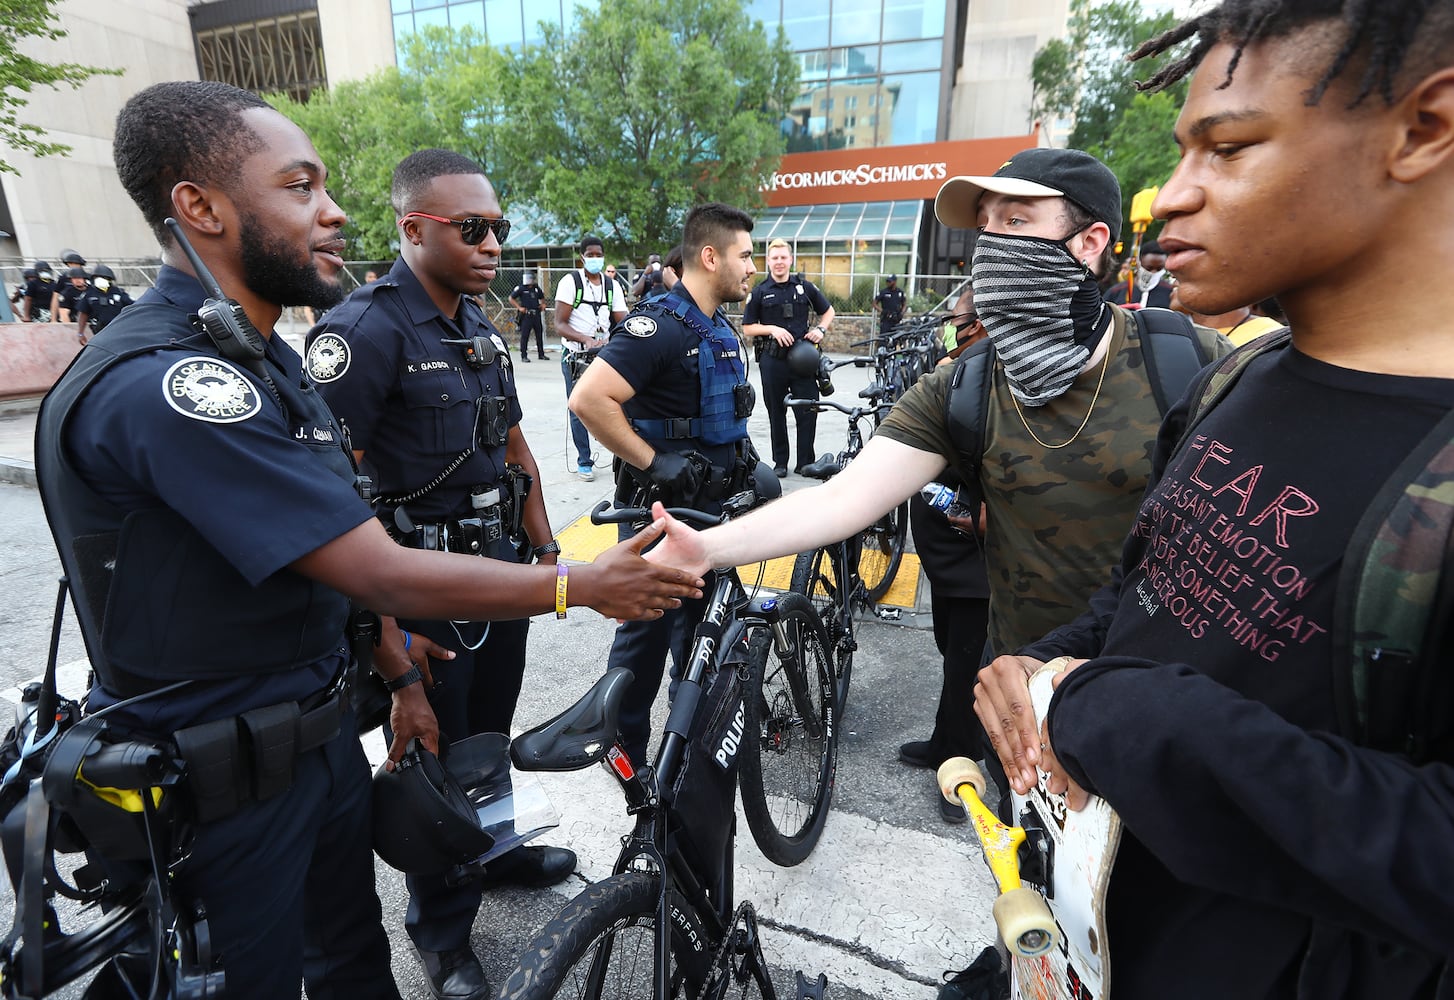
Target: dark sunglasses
column 473, row 229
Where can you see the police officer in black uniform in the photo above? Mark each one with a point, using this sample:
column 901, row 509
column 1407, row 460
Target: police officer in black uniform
column 101, row 303
column 669, row 396
column 889, row 304
column 26, row 276
column 779, row 313
column 39, row 291
column 69, row 291
column 205, row 511
column 526, row 298
column 423, row 383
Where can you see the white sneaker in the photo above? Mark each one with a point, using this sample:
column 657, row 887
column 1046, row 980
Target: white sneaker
column 586, row 472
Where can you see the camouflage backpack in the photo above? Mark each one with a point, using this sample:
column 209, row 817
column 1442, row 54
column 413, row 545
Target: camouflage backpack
column 1392, row 609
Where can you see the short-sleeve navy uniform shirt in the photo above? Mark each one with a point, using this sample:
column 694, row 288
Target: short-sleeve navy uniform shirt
column 409, row 402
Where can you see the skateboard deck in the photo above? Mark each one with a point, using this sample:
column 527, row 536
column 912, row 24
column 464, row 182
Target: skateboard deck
column 1051, row 856
column 1070, row 855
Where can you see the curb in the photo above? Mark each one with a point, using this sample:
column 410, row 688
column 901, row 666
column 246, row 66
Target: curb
column 17, row 471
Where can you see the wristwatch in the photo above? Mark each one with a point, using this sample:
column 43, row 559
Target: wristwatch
column 551, row 547
column 410, row 676
column 821, row 329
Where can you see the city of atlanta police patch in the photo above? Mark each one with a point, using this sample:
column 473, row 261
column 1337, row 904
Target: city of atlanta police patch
column 640, row 326
column 328, row 357
column 210, row 389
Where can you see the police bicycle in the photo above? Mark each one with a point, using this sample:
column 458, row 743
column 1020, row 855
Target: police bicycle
column 92, row 831
column 904, row 353
column 664, row 926
column 853, row 573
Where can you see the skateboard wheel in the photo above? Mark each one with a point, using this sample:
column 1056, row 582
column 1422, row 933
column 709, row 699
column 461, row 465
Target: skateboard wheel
column 1025, row 923
column 957, row 771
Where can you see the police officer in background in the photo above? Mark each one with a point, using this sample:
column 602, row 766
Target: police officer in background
column 669, row 397
column 889, row 304
column 102, row 302
column 40, row 291
column 423, row 384
column 778, row 311
column 526, row 299
column 206, row 514
column 68, row 292
column 26, row 276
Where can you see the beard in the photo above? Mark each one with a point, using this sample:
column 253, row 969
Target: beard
column 273, row 271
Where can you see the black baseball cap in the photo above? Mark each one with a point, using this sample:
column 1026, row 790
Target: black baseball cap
column 1037, row 173
column 891, row 278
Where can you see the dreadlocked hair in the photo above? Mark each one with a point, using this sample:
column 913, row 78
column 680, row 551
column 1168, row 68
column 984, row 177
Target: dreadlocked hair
column 1391, row 38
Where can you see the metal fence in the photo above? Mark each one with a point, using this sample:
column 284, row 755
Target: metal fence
column 925, row 292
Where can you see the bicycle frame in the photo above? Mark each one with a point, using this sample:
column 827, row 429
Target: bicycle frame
column 665, row 837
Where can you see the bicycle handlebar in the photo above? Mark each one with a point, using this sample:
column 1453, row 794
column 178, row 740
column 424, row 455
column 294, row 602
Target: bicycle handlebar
column 604, row 513
column 853, row 412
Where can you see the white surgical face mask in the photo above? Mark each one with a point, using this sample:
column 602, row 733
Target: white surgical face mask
column 595, row 265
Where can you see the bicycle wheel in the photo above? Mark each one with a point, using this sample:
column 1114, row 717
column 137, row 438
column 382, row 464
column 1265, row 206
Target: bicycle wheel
column 600, row 947
column 881, row 549
column 787, row 772
column 815, row 576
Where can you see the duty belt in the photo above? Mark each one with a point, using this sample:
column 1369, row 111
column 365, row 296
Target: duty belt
column 475, row 535
column 773, row 349
column 250, row 757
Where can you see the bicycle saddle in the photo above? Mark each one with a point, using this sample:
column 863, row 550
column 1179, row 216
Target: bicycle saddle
column 871, row 391
column 579, row 736
column 826, row 467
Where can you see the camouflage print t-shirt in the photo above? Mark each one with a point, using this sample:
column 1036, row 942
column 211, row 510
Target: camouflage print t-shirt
column 1058, row 512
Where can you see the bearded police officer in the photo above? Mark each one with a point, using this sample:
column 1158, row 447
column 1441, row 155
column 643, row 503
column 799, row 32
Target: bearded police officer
column 669, row 397
column 779, row 312
column 206, row 513
column 423, row 384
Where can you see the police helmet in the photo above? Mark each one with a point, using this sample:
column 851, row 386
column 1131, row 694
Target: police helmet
column 75, row 272
column 102, row 271
column 71, row 257
column 424, row 822
column 40, row 266
column 29, row 272
column 803, row 359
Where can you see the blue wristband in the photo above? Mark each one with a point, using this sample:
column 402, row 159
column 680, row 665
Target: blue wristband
column 408, row 640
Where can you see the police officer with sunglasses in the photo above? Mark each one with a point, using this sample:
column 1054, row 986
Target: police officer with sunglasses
column 425, row 387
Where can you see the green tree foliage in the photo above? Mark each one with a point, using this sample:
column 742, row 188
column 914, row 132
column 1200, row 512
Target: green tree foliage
column 363, row 128
column 617, row 128
column 645, row 109
column 1085, row 76
column 20, row 74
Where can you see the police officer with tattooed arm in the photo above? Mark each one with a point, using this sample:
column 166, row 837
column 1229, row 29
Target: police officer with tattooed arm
column 669, row 397
column 204, row 503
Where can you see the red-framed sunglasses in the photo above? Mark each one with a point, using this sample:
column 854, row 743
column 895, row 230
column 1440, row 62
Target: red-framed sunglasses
column 471, row 230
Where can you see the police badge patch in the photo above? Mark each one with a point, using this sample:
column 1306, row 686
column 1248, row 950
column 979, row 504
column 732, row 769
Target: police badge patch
column 639, row 326
column 328, row 357
column 210, row 389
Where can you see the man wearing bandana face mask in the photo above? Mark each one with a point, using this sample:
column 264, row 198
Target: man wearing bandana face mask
column 1070, row 422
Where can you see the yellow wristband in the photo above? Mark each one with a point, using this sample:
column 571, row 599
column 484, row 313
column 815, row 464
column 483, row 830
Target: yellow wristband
column 562, row 577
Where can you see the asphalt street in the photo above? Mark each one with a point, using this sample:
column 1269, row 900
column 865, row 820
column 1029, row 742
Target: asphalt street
column 891, row 898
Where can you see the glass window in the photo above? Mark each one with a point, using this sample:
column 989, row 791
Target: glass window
column 857, row 61
column 504, row 24
column 548, row 13
column 769, row 12
column 813, row 65
column 469, row 15
column 913, row 19
column 429, row 18
column 817, row 225
column 856, row 22
column 401, row 6
column 806, row 24
column 403, row 28
column 421, row 4
column 844, row 227
column 912, row 102
column 907, row 56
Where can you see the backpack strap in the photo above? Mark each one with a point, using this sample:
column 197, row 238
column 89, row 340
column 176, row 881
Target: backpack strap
column 969, row 402
column 1394, row 600
column 1173, row 353
column 1216, row 381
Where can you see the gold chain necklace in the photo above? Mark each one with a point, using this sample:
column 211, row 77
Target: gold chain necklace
column 1099, row 382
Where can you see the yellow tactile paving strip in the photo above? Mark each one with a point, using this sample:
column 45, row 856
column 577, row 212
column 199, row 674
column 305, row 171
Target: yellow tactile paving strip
column 582, row 541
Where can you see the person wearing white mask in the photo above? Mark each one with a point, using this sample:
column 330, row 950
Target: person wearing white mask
column 587, row 305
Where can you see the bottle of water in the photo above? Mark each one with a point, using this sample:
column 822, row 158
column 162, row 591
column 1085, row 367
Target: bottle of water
column 945, row 500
